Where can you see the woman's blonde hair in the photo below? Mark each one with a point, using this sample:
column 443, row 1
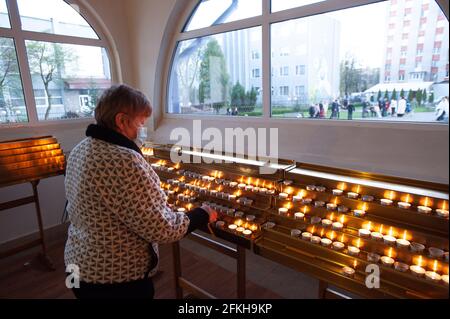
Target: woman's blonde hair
column 120, row 99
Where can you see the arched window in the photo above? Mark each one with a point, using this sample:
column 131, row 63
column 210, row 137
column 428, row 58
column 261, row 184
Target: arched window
column 342, row 60
column 53, row 64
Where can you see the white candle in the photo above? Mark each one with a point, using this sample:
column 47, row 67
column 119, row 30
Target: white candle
column 255, row 189
column 181, row 210
column 233, row 184
column 248, row 187
column 325, row 242
column 283, row 196
column 436, row 252
column 401, row 266
column 387, row 261
column 424, row 209
column 417, row 247
column 353, row 251
column 404, row 205
column 352, row 195
column 295, row 232
column 348, row 271
column 311, row 187
column 316, row 239
column 445, row 279
column 315, row 220
column 282, row 211
column 297, row 198
column 306, row 236
column 389, row 240
column 299, row 215
column 417, row 271
column 240, row 229
column 321, row 189
column 367, row 198
column 376, row 236
column 306, row 201
column 241, row 185
column 403, row 243
column 365, row 233
column 263, row 190
column 373, row 258
column 247, row 232
column 232, row 227
column 213, row 192
column 431, row 275
column 337, row 192
column 319, row 203
column 337, row 226
column 385, row 202
column 337, row 245
column 326, row 223
column 232, row 198
column 331, row 206
column 359, row 212
column 442, row 213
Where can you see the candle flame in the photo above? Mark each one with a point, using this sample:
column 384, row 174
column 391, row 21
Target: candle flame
column 381, row 229
column 342, row 219
column 257, row 182
column 435, row 265
column 304, row 209
column 369, row 226
column 391, row 195
column 313, row 230
column 177, row 166
column 426, row 202
column 419, row 261
column 404, row 235
column 355, row 263
column 321, row 233
column 341, row 186
column 289, row 190
column 249, row 180
column 342, row 238
column 407, row 198
column 246, row 225
column 390, row 232
column 238, row 222
column 332, row 216
column 335, row 201
column 390, row 252
column 242, row 179
column 301, row 193
column 364, row 207
column 332, row 235
column 189, row 206
column 443, row 205
column 288, row 205
column 237, row 193
column 358, row 243
column 357, row 189
column 264, row 184
column 254, row 227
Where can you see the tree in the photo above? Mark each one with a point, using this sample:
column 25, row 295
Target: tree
column 419, row 95
column 386, row 95
column 350, row 76
column 379, row 95
column 237, row 95
column 47, row 61
column 9, row 79
column 213, row 54
column 394, row 95
column 402, row 93
column 424, row 96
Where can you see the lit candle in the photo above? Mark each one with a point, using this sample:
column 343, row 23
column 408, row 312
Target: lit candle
column 368, row 198
column 240, row 229
column 337, row 245
column 353, row 251
column 331, row 206
column 306, row 236
column 337, row 192
column 443, row 212
column 263, row 190
column 417, row 270
column 402, row 242
column 386, row 202
column 233, row 184
column 326, row 223
column 232, row 227
column 316, row 239
column 283, row 196
column 282, row 211
column 365, row 233
column 387, row 261
column 337, row 226
column 255, row 189
column 247, row 232
column 248, row 187
column 433, row 275
column 352, row 195
column 376, row 236
column 389, row 239
column 306, row 201
column 295, row 232
column 299, row 215
column 359, row 212
column 424, row 209
column 325, row 242
column 241, row 185
column 401, row 266
column 348, row 271
column 298, row 197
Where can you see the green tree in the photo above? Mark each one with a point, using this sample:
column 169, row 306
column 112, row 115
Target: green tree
column 386, row 95
column 424, row 96
column 419, row 95
column 9, row 81
column 379, row 95
column 213, row 54
column 394, row 95
column 47, row 60
column 237, row 95
column 350, row 76
column 402, row 93
column 431, row 98
column 411, row 95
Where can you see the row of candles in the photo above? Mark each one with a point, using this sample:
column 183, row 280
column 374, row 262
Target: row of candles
column 404, row 203
column 329, row 239
column 239, row 226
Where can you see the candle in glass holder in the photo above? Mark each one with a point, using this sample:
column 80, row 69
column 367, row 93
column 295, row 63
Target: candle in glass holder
column 283, row 196
column 401, row 266
column 337, row 192
column 306, row 236
column 386, row 202
column 295, row 232
column 299, row 215
column 353, row 251
column 352, row 195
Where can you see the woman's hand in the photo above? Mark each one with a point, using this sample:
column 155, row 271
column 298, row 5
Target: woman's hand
column 211, row 212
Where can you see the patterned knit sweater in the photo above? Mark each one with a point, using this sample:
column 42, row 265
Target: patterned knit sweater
column 116, row 208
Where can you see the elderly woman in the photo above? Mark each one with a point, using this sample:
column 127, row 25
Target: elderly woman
column 117, row 210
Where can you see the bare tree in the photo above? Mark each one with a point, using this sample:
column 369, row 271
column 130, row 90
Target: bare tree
column 8, row 68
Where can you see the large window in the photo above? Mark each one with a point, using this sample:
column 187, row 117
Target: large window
column 324, row 61
column 53, row 64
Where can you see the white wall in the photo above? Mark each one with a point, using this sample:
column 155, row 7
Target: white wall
column 141, row 30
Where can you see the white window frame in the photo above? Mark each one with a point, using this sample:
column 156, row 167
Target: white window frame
column 264, row 20
column 19, row 36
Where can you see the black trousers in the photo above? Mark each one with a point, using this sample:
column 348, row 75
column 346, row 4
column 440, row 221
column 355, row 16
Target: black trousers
column 138, row 289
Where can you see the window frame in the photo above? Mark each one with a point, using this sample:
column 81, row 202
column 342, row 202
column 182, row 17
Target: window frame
column 265, row 20
column 19, row 37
